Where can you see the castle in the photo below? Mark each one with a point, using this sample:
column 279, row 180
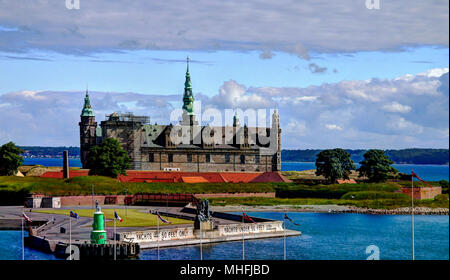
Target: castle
column 187, row 147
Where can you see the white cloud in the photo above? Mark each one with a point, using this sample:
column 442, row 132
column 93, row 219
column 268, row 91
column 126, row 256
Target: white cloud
column 296, row 127
column 436, row 72
column 378, row 113
column 396, row 107
column 358, row 113
column 233, row 95
column 402, row 125
column 320, row 26
column 51, row 118
column 333, row 127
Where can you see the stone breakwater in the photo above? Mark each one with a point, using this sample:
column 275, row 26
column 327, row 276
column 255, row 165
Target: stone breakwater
column 398, row 211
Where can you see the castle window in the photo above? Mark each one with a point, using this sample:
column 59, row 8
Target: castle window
column 227, row 158
column 170, row 157
column 151, row 157
column 257, row 159
column 208, row 158
column 189, row 157
column 242, row 159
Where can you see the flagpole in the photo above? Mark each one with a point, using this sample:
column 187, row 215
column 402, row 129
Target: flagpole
column 23, row 241
column 201, row 244
column 243, row 242
column 115, row 243
column 70, row 238
column 412, row 213
column 157, row 231
column 284, row 232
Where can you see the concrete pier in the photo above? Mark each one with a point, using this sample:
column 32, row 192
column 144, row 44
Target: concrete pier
column 226, row 227
column 53, row 236
column 218, row 239
column 83, row 250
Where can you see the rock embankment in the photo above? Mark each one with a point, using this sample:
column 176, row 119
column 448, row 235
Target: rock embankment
column 398, row 211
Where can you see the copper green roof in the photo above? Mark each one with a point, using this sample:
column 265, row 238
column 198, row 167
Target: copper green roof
column 188, row 97
column 87, row 108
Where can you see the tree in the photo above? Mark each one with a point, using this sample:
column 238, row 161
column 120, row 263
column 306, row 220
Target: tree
column 376, row 166
column 108, row 159
column 334, row 164
column 10, row 159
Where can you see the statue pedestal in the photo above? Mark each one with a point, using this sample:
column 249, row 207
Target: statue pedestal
column 206, row 225
column 207, row 231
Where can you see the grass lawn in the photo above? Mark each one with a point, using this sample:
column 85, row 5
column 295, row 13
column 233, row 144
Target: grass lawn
column 134, row 217
column 82, row 185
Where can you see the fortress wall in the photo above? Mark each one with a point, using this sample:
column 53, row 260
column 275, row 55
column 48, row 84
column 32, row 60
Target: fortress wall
column 217, row 161
column 209, row 195
column 424, row 192
column 86, row 200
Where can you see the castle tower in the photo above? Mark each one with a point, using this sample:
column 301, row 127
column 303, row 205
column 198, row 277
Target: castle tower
column 188, row 100
column 87, row 129
column 236, row 122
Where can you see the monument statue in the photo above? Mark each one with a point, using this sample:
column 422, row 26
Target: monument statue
column 203, row 215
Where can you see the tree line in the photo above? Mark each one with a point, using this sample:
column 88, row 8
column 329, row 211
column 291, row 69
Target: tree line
column 410, row 156
column 337, row 164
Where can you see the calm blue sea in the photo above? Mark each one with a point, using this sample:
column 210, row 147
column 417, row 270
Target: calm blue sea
column 325, row 237
column 74, row 162
column 426, row 172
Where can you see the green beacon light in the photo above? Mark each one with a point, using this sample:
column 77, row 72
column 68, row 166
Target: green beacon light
column 98, row 234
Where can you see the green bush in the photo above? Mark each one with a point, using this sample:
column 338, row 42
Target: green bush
column 444, row 185
column 104, row 185
column 334, row 191
column 362, row 195
column 441, row 197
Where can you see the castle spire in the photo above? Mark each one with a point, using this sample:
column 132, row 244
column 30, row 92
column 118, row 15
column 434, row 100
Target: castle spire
column 188, row 97
column 87, row 108
column 236, row 122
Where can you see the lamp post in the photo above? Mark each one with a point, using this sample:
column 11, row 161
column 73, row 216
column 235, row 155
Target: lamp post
column 92, row 196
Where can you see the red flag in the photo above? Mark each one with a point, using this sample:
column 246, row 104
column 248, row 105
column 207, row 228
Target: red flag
column 247, row 218
column 417, row 176
column 26, row 218
column 162, row 219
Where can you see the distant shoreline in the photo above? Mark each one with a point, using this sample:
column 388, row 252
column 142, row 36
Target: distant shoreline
column 419, row 156
column 284, row 161
column 312, row 162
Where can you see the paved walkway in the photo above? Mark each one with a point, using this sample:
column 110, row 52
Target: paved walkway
column 81, row 228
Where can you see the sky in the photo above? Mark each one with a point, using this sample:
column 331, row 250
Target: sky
column 339, row 73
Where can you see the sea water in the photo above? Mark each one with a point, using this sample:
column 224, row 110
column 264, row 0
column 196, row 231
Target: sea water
column 324, row 237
